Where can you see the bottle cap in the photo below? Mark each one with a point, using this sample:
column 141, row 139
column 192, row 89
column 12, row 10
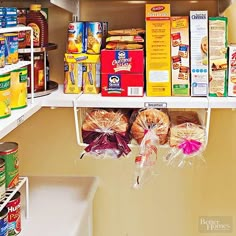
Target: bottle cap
column 35, row 7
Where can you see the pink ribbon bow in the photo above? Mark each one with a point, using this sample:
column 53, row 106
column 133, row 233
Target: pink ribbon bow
column 190, row 146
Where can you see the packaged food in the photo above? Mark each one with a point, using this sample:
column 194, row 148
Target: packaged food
column 123, row 46
column 106, row 132
column 133, row 31
column 125, row 39
column 11, row 48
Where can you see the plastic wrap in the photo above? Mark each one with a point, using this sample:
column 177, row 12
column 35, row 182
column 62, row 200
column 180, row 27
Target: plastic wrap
column 187, row 139
column 150, row 129
column 106, row 133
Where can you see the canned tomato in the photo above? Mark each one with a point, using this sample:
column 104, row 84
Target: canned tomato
column 9, row 152
column 76, row 37
column 14, row 215
column 2, row 51
column 19, row 79
column 11, row 48
column 2, row 180
column 4, row 222
column 94, row 37
column 5, row 95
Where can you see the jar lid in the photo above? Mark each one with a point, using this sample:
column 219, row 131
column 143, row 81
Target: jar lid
column 35, row 7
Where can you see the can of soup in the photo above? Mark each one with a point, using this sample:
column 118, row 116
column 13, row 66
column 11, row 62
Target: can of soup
column 4, row 222
column 9, row 152
column 11, row 48
column 5, row 95
column 14, row 215
column 19, row 79
column 2, row 51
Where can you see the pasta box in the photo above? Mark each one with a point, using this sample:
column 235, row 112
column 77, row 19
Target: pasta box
column 122, row 61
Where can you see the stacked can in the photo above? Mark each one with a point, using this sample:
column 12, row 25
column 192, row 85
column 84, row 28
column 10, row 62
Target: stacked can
column 4, row 222
column 14, row 215
column 9, row 152
column 5, row 95
column 2, row 180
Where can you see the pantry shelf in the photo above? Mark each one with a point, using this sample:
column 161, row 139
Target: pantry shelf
column 9, row 68
column 17, row 117
column 60, row 205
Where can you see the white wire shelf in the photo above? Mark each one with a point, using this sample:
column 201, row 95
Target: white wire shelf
column 9, row 68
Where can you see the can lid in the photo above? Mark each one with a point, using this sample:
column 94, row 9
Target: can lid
column 8, row 146
column 35, row 7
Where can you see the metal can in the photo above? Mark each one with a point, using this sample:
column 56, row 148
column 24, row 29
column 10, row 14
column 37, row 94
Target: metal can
column 9, row 152
column 2, row 51
column 5, row 95
column 19, row 79
column 4, row 222
column 14, row 215
column 76, row 37
column 2, row 180
column 11, row 48
column 94, row 37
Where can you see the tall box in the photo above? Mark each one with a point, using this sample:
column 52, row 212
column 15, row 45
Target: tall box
column 218, row 43
column 232, row 71
column 158, row 65
column 180, row 55
column 199, row 52
column 122, row 73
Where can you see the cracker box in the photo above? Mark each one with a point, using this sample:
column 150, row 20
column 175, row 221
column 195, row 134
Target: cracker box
column 180, row 56
column 122, row 61
column 199, row 53
column 232, row 71
column 122, row 85
column 218, row 43
column 158, row 65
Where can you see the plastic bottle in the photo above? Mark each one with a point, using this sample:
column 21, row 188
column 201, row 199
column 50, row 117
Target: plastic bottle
column 38, row 22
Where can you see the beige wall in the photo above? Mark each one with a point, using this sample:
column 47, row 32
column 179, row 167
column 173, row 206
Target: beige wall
column 168, row 205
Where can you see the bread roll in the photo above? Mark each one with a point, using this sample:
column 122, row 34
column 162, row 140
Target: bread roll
column 150, row 119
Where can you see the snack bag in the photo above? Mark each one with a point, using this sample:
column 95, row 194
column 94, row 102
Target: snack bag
column 106, row 133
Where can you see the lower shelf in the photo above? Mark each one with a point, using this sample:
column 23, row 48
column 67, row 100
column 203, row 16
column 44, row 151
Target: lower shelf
column 59, row 206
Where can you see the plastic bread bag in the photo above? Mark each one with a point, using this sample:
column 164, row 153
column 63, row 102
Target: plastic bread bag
column 187, row 139
column 150, row 130
column 107, row 133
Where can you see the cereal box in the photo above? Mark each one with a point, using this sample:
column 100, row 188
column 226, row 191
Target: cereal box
column 199, row 53
column 180, row 55
column 218, row 43
column 158, row 65
column 232, row 71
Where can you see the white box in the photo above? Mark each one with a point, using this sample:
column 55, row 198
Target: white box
column 199, row 53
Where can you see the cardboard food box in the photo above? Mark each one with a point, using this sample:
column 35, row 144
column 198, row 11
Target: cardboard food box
column 232, row 71
column 122, row 85
column 180, row 56
column 199, row 52
column 122, row 61
column 158, row 65
column 82, row 73
column 218, row 43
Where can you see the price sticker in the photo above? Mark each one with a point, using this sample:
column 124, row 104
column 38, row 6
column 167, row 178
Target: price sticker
column 20, row 120
column 155, row 104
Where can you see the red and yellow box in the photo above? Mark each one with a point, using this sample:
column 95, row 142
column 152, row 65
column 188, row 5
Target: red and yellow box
column 158, row 65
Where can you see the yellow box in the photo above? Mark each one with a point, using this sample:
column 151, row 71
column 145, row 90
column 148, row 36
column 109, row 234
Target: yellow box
column 180, row 56
column 158, row 66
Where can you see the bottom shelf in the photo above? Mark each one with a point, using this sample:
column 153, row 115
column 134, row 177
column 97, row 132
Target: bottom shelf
column 58, row 206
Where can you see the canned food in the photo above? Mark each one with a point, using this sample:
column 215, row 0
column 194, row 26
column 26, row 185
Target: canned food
column 11, row 48
column 94, row 37
column 76, row 37
column 9, row 152
column 4, row 222
column 5, row 95
column 19, row 88
column 2, row 180
column 2, row 51
column 14, row 215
